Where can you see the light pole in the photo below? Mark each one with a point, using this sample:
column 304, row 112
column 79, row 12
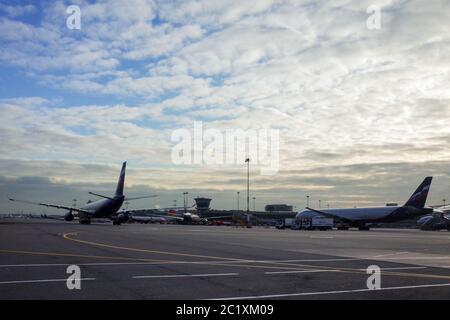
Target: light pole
column 254, row 204
column 248, row 185
column 328, row 205
column 320, row 201
column 307, row 201
column 444, row 201
column 74, row 203
column 238, row 193
column 185, row 200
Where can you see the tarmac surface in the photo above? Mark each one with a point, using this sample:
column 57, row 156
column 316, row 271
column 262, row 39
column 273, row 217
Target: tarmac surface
column 137, row 261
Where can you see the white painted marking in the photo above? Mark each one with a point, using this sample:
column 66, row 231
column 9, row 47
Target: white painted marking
column 43, row 281
column 321, row 237
column 215, row 262
column 196, row 262
column 334, row 292
column 173, row 262
column 188, row 275
column 399, row 268
column 299, row 271
column 389, row 254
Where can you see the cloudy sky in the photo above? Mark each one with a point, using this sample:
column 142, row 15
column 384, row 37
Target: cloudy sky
column 362, row 113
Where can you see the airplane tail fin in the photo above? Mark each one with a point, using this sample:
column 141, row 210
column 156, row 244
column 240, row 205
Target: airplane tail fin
column 121, row 182
column 419, row 197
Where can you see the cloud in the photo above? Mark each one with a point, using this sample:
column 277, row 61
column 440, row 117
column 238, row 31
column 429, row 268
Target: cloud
column 339, row 186
column 345, row 98
column 17, row 11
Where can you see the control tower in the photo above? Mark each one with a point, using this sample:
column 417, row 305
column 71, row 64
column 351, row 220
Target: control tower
column 202, row 205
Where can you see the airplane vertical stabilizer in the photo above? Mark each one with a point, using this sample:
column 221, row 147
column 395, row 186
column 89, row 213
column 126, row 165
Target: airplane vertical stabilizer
column 419, row 197
column 121, row 182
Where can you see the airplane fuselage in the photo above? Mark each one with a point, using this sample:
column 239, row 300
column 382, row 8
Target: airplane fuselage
column 104, row 208
column 189, row 218
column 434, row 222
column 372, row 214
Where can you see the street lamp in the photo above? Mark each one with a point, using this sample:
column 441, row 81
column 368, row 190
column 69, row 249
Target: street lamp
column 248, row 184
column 444, row 201
column 238, row 193
column 254, row 204
column 320, row 201
column 185, row 200
column 307, row 201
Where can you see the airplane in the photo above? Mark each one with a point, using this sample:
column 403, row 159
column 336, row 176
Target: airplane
column 359, row 217
column 146, row 218
column 183, row 217
column 108, row 207
column 151, row 215
column 438, row 220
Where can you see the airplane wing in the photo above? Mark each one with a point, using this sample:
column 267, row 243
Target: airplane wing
column 177, row 218
column 151, row 214
column 144, row 218
column 219, row 217
column 329, row 215
column 141, row 197
column 56, row 206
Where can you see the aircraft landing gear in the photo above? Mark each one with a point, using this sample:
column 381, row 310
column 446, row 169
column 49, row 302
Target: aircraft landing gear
column 85, row 221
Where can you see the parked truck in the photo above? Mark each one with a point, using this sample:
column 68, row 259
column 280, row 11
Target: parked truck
column 285, row 223
column 316, row 223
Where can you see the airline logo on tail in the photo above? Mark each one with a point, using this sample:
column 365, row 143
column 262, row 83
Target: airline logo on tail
column 120, row 184
column 419, row 197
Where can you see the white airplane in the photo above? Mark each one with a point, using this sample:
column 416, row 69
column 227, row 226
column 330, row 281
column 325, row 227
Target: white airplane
column 438, row 220
column 359, row 217
column 181, row 215
column 108, row 207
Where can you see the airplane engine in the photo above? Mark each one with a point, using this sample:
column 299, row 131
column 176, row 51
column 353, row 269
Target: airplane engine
column 69, row 216
column 122, row 218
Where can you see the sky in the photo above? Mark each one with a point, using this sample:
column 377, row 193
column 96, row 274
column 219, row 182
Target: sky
column 361, row 106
